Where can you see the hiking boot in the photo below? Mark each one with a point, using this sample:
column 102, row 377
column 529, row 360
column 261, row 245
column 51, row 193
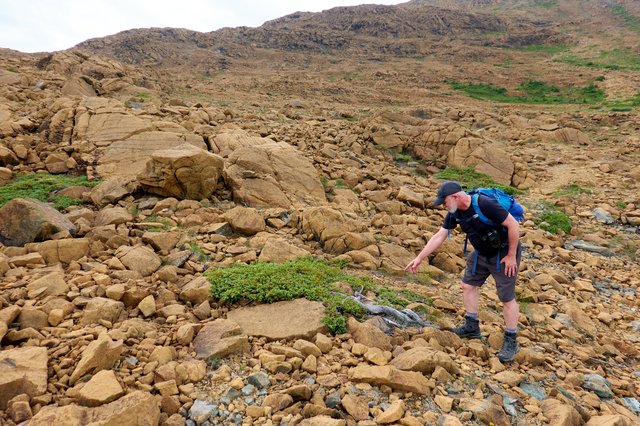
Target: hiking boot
column 509, row 348
column 470, row 329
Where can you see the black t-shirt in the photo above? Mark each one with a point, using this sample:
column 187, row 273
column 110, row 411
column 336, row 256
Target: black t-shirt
column 476, row 229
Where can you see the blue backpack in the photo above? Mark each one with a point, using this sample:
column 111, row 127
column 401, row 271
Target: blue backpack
column 507, row 201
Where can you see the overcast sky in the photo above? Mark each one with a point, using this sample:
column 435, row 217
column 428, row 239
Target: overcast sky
column 49, row 25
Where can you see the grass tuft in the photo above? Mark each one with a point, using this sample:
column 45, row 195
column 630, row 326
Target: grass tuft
column 573, row 190
column 553, row 220
column 42, row 186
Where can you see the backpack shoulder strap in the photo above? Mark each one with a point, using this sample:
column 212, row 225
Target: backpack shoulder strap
column 478, row 212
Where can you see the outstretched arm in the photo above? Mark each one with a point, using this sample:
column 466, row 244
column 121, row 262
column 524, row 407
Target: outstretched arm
column 434, row 242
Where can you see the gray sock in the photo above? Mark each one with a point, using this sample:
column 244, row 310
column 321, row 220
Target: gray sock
column 472, row 315
column 511, row 330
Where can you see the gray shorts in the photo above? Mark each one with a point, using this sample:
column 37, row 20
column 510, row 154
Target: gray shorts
column 505, row 286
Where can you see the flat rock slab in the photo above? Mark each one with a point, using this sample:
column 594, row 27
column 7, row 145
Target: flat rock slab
column 292, row 319
column 136, row 408
column 220, row 338
column 22, row 370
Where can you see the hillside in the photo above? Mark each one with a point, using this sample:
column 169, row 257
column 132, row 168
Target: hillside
column 182, row 176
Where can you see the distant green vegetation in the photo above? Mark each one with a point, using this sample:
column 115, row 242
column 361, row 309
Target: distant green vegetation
column 142, row 95
column 547, row 4
column 470, row 179
column 544, row 48
column 42, row 186
column 304, row 277
column 631, row 21
column 621, row 58
column 12, row 69
column 622, row 105
column 535, row 92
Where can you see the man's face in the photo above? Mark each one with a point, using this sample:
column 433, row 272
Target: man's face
column 451, row 203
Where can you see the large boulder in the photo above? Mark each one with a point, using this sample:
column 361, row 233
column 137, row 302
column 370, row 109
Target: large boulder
column 232, row 138
column 484, row 157
column 273, row 175
column 330, row 226
column 278, row 250
column 113, row 189
column 26, row 220
column 184, row 172
column 567, row 135
column 129, row 157
column 22, row 370
column 140, row 259
column 245, row 220
column 103, row 122
column 65, row 251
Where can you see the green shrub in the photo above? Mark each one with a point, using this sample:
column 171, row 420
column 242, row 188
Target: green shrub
column 483, row 91
column 324, row 180
column 402, row 156
column 621, row 58
column 470, row 179
column 545, row 48
column 553, row 220
column 42, row 186
column 536, row 92
column 195, row 248
column 304, row 277
column 340, row 183
column 572, row 190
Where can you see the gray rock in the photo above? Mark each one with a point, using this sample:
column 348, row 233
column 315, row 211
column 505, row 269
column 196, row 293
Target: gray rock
column 248, row 390
column 200, row 411
column 260, row 380
column 534, row 390
column 230, row 395
column 633, row 404
column 603, row 216
column 583, row 245
column 597, row 384
column 333, row 400
column 509, row 405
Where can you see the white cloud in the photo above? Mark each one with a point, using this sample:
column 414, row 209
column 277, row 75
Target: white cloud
column 45, row 25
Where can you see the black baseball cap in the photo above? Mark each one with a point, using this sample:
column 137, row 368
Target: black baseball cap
column 447, row 188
